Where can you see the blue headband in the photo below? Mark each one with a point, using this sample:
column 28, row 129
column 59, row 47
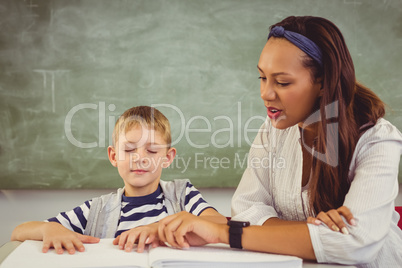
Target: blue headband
column 302, row 42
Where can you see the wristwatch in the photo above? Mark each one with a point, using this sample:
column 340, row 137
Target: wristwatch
column 235, row 232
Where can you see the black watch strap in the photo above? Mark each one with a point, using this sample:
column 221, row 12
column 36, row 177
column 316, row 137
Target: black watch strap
column 235, row 233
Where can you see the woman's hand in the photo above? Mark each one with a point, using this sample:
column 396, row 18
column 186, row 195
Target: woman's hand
column 142, row 235
column 333, row 219
column 184, row 229
column 57, row 236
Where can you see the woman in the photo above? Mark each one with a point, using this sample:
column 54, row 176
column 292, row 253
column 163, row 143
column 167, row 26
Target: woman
column 333, row 198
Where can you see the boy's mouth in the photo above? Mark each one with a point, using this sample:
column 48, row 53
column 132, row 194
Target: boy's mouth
column 139, row 171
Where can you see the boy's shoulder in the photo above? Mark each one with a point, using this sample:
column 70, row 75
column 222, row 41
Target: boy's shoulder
column 174, row 183
column 174, row 187
column 175, row 194
column 108, row 201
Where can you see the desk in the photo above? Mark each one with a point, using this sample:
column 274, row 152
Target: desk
column 10, row 246
column 7, row 249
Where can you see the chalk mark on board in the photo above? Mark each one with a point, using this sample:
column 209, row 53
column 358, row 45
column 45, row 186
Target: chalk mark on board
column 52, row 74
column 30, row 4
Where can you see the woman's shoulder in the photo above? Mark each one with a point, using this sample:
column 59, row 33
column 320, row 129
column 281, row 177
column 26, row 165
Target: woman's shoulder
column 380, row 138
column 383, row 130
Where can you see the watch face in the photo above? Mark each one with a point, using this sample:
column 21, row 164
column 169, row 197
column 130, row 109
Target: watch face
column 238, row 223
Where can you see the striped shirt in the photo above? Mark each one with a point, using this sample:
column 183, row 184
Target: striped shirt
column 135, row 211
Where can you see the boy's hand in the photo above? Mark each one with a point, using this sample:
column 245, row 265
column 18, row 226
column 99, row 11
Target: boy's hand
column 57, row 236
column 333, row 219
column 142, row 235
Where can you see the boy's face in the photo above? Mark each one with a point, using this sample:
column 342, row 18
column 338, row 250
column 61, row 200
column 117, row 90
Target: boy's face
column 139, row 155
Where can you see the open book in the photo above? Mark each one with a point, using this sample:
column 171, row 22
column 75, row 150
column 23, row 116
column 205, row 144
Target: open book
column 105, row 254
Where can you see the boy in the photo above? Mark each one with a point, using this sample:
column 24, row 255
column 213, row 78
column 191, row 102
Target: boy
column 141, row 149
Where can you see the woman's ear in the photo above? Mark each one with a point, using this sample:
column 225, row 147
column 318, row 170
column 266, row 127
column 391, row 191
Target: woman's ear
column 319, row 83
column 111, row 152
column 170, row 155
column 321, row 93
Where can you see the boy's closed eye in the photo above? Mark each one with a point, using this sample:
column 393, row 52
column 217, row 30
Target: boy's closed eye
column 130, row 150
column 130, row 147
column 133, row 150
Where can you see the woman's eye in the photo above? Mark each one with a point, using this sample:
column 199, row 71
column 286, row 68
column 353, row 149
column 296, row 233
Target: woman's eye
column 283, row 84
column 130, row 150
column 152, row 152
column 262, row 78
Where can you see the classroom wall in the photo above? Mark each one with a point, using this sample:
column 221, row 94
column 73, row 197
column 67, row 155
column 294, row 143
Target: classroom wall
column 68, row 69
column 18, row 206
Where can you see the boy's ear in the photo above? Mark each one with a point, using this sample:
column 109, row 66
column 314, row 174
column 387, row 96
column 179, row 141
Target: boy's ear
column 111, row 152
column 170, row 155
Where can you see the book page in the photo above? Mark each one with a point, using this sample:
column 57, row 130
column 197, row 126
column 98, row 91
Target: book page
column 218, row 255
column 101, row 255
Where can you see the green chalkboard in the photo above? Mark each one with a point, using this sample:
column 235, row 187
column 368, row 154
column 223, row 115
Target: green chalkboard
column 68, row 69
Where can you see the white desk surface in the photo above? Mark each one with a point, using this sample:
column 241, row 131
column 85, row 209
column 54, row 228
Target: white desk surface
column 10, row 246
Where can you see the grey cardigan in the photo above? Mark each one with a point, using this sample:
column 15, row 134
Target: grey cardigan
column 104, row 213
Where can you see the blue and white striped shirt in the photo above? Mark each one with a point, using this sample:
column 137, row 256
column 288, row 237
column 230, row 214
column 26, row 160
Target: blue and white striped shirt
column 135, row 211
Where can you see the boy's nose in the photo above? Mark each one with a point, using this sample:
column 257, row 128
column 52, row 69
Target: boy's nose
column 135, row 157
column 139, row 160
column 139, row 156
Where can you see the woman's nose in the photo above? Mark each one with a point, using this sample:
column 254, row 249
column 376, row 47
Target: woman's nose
column 267, row 92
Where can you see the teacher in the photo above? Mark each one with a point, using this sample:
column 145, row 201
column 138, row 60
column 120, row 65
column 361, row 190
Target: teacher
column 333, row 199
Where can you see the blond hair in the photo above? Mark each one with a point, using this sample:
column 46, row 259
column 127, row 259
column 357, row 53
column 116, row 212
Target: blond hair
column 144, row 116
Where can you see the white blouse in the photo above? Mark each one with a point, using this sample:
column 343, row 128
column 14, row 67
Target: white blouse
column 271, row 186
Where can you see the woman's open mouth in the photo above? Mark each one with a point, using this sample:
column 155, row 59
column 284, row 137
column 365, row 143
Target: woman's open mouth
column 273, row 112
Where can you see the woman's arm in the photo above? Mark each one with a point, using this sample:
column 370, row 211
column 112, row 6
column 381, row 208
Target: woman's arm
column 374, row 187
column 253, row 200
column 183, row 229
column 289, row 238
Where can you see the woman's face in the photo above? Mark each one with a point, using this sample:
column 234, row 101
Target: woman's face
column 287, row 89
